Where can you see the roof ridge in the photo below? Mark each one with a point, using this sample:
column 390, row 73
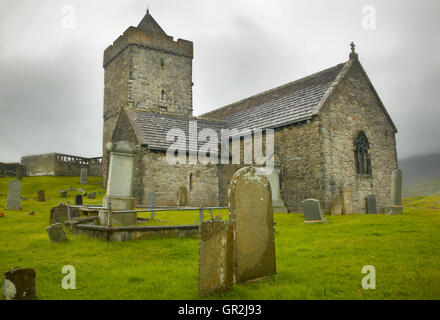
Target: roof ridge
column 286, row 85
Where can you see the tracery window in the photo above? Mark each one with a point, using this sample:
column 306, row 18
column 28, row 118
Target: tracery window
column 362, row 155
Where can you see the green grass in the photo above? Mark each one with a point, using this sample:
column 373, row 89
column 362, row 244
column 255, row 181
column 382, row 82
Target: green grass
column 427, row 188
column 313, row 261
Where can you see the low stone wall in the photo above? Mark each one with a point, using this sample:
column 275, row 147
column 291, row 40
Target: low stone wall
column 130, row 233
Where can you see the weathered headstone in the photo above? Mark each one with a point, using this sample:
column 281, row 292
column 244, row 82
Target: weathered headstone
column 182, row 196
column 56, row 232
column 78, row 200
column 19, row 284
column 41, row 195
column 84, row 178
column 14, row 199
column 250, row 204
column 216, row 252
column 396, row 187
column 274, row 180
column 336, row 208
column 91, row 195
column 151, row 200
column 347, row 205
column 63, row 193
column 19, row 173
column 312, row 211
column 60, row 214
column 371, row 203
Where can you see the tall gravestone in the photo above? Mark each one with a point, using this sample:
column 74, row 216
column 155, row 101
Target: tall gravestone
column 312, row 211
column 396, row 193
column 250, row 206
column 274, row 180
column 120, row 183
column 41, row 195
column 347, row 205
column 19, row 173
column 84, row 176
column 216, row 252
column 182, row 196
column 151, row 200
column 14, row 195
column 78, row 200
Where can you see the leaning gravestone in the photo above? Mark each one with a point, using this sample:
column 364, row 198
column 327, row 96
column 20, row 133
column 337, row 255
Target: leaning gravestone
column 60, row 214
column 56, row 232
column 78, row 200
column 371, row 204
column 63, row 193
column 216, row 252
column 41, row 196
column 250, row 206
column 91, row 195
column 19, row 284
column 182, row 197
column 84, row 178
column 13, row 202
column 312, row 211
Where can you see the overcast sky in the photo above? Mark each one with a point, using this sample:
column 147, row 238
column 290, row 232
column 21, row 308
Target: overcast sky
column 52, row 80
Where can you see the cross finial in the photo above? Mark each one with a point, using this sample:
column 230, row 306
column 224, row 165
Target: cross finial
column 353, row 47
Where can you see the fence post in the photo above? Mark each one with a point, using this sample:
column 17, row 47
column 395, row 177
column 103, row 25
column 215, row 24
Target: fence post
column 201, row 212
column 210, row 212
column 69, row 212
column 109, row 216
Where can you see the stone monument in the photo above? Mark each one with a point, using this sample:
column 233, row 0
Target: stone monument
column 396, row 193
column 84, row 177
column 312, row 211
column 14, row 196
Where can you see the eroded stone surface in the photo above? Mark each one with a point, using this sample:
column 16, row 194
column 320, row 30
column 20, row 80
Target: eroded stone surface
column 56, row 233
column 250, row 204
column 216, row 251
column 14, row 198
column 19, row 284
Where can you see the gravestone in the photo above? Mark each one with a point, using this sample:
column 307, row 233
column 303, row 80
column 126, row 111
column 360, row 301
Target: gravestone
column 91, row 195
column 336, row 208
column 151, row 200
column 60, row 214
column 396, row 193
column 63, row 193
column 347, row 205
column 274, row 180
column 250, row 206
column 120, row 182
column 371, row 203
column 84, row 177
column 41, row 195
column 19, row 284
column 56, row 232
column 78, row 200
column 14, row 198
column 216, row 252
column 182, row 196
column 312, row 211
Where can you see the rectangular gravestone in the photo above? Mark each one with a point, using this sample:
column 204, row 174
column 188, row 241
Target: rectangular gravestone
column 250, row 201
column 56, row 233
column 312, row 211
column 91, row 195
column 371, row 204
column 216, row 252
column 396, row 193
column 41, row 195
column 14, row 198
column 182, row 196
column 84, row 177
column 151, row 200
column 60, row 214
column 63, row 193
column 78, row 200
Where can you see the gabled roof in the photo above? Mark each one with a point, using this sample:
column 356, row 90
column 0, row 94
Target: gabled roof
column 150, row 25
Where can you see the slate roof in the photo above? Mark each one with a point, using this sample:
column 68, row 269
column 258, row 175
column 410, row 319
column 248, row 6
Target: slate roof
column 288, row 104
column 150, row 25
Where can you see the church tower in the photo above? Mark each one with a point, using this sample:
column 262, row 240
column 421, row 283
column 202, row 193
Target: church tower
column 145, row 68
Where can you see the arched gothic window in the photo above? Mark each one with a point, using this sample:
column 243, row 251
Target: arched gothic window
column 162, row 95
column 361, row 155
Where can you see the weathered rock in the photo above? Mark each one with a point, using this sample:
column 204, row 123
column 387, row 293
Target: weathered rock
column 56, row 233
column 91, row 195
column 216, row 252
column 250, row 203
column 14, row 199
column 182, row 196
column 19, row 284
column 32, row 213
column 312, row 211
column 394, row 209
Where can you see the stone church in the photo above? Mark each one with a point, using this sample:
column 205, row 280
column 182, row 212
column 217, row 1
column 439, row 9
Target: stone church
column 332, row 132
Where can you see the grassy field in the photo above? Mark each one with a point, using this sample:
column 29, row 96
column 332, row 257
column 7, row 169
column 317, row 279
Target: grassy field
column 313, row 261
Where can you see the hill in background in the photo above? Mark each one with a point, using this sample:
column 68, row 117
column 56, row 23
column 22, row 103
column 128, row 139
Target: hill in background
column 421, row 175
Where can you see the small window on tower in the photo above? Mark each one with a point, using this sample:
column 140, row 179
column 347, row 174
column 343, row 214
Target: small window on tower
column 162, row 95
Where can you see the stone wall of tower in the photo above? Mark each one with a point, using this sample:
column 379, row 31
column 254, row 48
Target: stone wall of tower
column 138, row 67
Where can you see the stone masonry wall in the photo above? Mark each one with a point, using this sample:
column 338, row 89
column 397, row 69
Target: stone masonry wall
column 353, row 107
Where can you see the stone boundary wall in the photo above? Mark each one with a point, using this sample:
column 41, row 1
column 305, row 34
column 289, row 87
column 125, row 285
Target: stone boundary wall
column 56, row 164
column 8, row 169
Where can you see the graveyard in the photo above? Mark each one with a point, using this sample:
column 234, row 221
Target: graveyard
column 313, row 261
